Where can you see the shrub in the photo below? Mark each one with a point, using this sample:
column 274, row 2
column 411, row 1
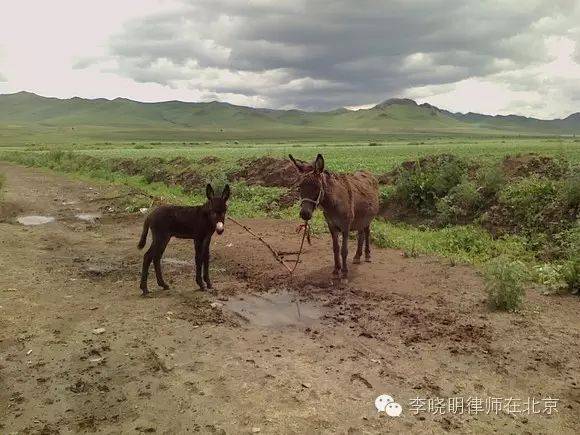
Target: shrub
column 460, row 205
column 571, row 274
column 385, row 193
column 420, row 185
column 490, row 180
column 527, row 201
column 504, row 283
column 551, row 276
column 572, row 191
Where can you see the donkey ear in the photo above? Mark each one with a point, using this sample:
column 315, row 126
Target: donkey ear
column 319, row 163
column 226, row 192
column 301, row 165
column 209, row 191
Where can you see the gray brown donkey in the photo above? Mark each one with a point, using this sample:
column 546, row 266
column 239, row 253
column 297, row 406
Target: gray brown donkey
column 349, row 203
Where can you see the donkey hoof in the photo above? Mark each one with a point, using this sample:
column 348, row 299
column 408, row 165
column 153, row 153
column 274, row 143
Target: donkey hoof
column 202, row 288
column 145, row 293
column 368, row 260
column 164, row 286
column 343, row 281
column 356, row 260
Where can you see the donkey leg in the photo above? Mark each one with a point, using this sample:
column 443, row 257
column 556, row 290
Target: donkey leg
column 368, row 244
column 207, row 242
column 161, row 245
column 198, row 263
column 360, row 237
column 147, row 258
column 335, row 249
column 344, row 253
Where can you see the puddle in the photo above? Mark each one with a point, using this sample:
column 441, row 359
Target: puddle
column 34, row 220
column 273, row 309
column 88, row 217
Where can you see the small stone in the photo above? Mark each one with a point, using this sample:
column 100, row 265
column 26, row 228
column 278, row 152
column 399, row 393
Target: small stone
column 99, row 331
column 306, row 385
column 256, row 429
column 216, row 305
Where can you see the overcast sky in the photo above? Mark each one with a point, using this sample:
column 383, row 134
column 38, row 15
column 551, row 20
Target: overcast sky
column 494, row 56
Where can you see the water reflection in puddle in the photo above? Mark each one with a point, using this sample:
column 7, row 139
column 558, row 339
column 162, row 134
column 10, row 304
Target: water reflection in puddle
column 274, row 309
column 34, row 220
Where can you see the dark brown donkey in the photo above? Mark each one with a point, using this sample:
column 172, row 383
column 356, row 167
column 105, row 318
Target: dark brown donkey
column 197, row 223
column 349, row 203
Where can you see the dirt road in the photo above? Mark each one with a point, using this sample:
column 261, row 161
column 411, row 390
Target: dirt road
column 81, row 351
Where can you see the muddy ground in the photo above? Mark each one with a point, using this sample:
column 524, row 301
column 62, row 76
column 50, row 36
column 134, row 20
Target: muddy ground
column 81, row 351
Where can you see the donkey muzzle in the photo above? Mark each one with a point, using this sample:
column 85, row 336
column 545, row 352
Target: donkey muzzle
column 219, row 228
column 305, row 214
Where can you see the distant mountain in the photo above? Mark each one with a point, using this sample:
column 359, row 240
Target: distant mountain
column 25, row 109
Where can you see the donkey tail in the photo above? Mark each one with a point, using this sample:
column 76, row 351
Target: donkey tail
column 143, row 238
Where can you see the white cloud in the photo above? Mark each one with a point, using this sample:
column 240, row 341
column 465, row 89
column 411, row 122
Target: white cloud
column 547, row 90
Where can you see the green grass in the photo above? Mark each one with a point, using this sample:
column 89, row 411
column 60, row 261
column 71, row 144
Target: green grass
column 339, row 155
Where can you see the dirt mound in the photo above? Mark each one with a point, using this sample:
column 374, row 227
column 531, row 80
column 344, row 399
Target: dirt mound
column 176, row 172
column 524, row 165
column 189, row 180
column 267, row 171
column 133, row 167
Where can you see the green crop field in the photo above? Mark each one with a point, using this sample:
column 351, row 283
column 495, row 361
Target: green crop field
column 378, row 157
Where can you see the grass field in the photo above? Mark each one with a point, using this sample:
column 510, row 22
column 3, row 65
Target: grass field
column 375, row 156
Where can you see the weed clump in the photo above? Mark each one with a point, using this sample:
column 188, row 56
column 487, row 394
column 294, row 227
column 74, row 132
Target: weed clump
column 504, row 284
column 460, row 205
column 421, row 184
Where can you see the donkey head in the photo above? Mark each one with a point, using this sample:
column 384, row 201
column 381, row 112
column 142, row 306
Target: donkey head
column 311, row 187
column 217, row 206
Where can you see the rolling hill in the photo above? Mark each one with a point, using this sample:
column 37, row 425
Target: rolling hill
column 122, row 118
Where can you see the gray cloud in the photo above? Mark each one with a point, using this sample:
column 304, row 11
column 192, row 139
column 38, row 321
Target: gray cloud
column 323, row 54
